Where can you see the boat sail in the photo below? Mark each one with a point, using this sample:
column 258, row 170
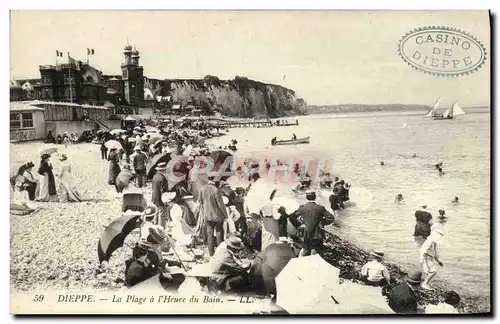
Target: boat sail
column 432, row 112
column 457, row 110
column 450, row 113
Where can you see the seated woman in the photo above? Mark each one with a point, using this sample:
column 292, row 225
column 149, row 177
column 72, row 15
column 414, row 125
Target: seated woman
column 374, row 272
column 30, row 183
column 50, row 138
column 226, row 261
column 147, row 260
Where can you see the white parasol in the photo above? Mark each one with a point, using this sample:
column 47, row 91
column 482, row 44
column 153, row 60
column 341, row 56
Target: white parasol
column 117, row 131
column 290, row 204
column 311, row 277
column 112, row 144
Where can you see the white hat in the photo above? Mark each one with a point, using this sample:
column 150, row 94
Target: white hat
column 167, row 197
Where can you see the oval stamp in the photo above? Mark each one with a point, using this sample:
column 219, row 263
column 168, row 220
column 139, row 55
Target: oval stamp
column 442, row 51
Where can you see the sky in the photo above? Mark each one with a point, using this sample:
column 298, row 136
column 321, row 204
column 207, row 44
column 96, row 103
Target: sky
column 326, row 57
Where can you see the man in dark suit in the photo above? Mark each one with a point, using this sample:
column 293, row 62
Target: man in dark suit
column 313, row 217
column 160, row 186
column 213, row 210
column 402, row 297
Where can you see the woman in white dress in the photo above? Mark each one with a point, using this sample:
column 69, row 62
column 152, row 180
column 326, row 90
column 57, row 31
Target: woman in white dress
column 270, row 224
column 66, row 192
column 47, row 191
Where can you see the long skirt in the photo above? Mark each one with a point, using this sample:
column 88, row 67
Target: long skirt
column 31, row 189
column 43, row 191
column 114, row 170
column 67, row 194
column 201, row 228
column 270, row 232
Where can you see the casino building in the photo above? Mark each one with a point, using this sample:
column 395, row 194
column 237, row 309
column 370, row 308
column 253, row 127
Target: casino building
column 76, row 96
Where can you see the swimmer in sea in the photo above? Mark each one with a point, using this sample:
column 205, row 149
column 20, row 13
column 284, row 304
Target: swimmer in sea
column 382, row 163
column 441, row 173
column 455, row 200
column 414, row 155
column 399, row 198
column 439, row 165
column 442, row 217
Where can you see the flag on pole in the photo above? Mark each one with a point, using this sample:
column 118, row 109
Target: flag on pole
column 59, row 54
column 90, row 51
column 74, row 62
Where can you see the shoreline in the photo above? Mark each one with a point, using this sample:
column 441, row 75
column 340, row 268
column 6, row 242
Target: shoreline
column 349, row 258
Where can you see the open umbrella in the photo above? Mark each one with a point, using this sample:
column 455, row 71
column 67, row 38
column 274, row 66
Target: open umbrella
column 50, row 150
column 258, row 196
column 155, row 136
column 269, row 263
column 150, row 168
column 352, row 298
column 117, row 131
column 219, row 158
column 113, row 144
column 311, row 276
column 290, row 204
column 156, row 141
column 236, row 181
column 114, row 235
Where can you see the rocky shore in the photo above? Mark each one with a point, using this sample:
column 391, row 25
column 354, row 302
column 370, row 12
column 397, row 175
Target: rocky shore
column 349, row 259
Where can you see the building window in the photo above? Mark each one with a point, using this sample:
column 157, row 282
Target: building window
column 15, row 121
column 27, row 119
column 23, row 120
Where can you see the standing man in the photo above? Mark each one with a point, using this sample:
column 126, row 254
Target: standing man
column 160, row 186
column 139, row 162
column 429, row 257
column 213, row 210
column 104, row 151
column 313, row 217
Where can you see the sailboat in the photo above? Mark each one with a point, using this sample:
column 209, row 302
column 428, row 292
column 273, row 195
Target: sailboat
column 450, row 113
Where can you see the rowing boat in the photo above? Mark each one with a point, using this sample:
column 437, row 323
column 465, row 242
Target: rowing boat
column 304, row 140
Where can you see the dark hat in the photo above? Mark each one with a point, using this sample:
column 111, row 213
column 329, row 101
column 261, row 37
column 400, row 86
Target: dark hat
column 157, row 233
column 29, row 165
column 63, row 157
column 311, row 194
column 415, row 277
column 235, row 242
column 45, row 156
column 452, row 298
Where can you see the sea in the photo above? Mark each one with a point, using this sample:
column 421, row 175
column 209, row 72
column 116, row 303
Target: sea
column 410, row 146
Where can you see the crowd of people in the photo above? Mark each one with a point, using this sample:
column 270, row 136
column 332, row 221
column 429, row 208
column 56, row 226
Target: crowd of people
column 70, row 138
column 43, row 185
column 233, row 222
